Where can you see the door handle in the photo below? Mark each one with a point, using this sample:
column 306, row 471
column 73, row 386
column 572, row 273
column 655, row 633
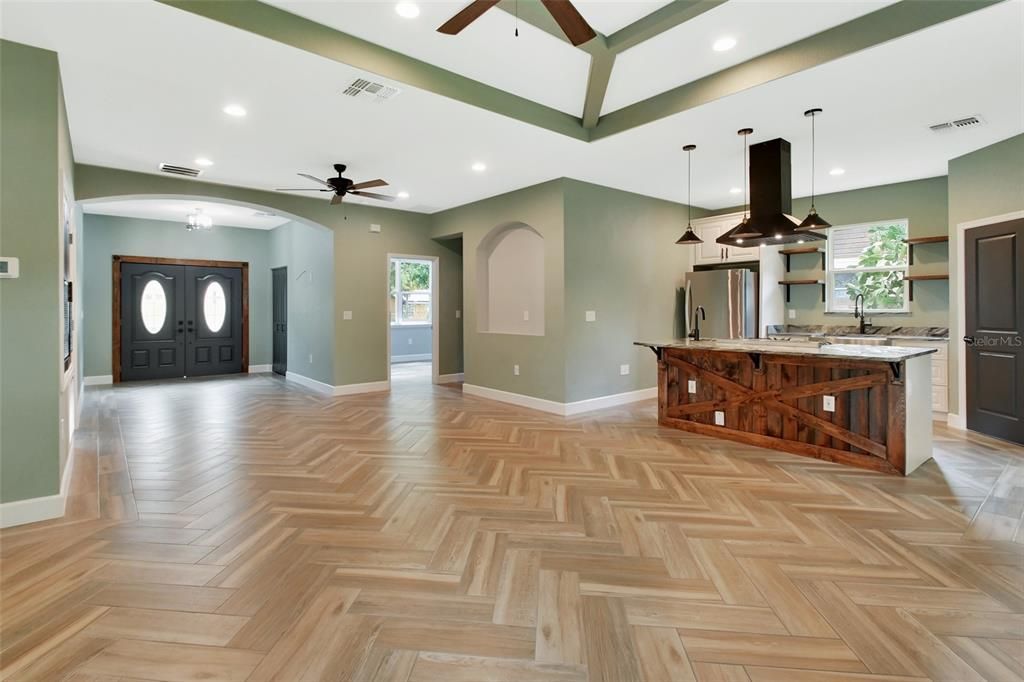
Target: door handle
column 969, row 340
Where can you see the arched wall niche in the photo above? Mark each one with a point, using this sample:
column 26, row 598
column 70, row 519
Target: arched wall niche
column 510, row 281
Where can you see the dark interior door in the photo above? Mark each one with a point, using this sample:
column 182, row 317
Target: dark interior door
column 994, row 316
column 152, row 321
column 280, row 315
column 213, row 319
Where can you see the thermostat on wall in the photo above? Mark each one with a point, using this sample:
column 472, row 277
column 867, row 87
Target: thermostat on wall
column 8, row 268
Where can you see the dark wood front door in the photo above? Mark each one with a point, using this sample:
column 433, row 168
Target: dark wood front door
column 178, row 319
column 994, row 330
column 280, row 315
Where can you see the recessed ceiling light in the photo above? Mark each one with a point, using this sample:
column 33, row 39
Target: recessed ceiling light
column 407, row 10
column 735, row 190
column 403, row 195
column 203, row 161
column 723, row 44
column 235, row 110
column 837, row 171
column 479, row 166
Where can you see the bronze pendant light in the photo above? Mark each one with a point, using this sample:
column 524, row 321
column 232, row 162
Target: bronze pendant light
column 742, row 231
column 813, row 221
column 689, row 237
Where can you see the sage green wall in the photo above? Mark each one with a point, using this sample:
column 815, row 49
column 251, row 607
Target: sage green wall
column 360, row 261
column 308, row 253
column 621, row 261
column 31, row 368
column 489, row 357
column 109, row 236
column 985, row 183
column 923, row 203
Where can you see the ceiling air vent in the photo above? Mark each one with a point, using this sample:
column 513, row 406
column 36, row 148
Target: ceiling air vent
column 179, row 170
column 264, row 214
column 949, row 126
column 366, row 89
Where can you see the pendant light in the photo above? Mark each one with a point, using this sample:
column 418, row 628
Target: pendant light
column 813, row 221
column 742, row 231
column 689, row 237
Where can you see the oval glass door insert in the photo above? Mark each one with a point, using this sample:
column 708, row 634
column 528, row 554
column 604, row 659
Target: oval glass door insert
column 214, row 307
column 154, row 306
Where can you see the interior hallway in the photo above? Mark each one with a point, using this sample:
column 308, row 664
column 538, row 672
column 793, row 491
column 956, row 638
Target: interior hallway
column 246, row 528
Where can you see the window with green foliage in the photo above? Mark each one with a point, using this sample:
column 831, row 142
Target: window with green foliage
column 409, row 300
column 868, row 259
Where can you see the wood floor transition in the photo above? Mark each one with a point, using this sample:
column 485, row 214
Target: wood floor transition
column 248, row 529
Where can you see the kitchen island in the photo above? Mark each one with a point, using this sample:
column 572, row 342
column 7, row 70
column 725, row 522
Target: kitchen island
column 866, row 406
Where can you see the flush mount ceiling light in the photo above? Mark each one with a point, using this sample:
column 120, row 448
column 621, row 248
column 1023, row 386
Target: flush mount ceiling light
column 689, row 237
column 813, row 221
column 479, row 166
column 197, row 220
column 403, row 195
column 203, row 161
column 407, row 10
column 837, row 171
column 724, row 44
column 236, row 110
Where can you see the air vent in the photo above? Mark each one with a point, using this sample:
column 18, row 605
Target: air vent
column 949, row 126
column 180, row 170
column 367, row 89
column 264, row 214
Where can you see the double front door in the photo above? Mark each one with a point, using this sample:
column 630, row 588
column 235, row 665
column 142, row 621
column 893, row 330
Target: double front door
column 180, row 320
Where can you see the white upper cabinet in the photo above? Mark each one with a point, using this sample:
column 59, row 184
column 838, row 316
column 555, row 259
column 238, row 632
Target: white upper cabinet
column 710, row 229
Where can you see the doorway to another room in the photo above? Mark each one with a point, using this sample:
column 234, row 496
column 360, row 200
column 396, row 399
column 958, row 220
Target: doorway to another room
column 412, row 329
column 279, row 293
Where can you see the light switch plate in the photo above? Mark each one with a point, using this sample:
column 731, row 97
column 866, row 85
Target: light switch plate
column 526, row 316
column 591, row 316
column 346, row 314
column 719, row 418
column 623, row 370
column 792, row 314
column 828, row 403
column 410, row 342
column 691, row 385
column 458, row 314
column 515, row 370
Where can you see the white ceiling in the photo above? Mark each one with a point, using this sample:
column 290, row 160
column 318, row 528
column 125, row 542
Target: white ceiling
column 145, row 83
column 176, row 210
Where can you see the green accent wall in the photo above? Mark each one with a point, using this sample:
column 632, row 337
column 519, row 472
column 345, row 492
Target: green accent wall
column 31, row 366
column 621, row 261
column 924, row 204
column 308, row 253
column 107, row 236
column 987, row 182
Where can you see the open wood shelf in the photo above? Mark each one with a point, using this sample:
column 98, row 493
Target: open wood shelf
column 800, row 282
column 911, row 242
column 801, row 250
column 923, row 278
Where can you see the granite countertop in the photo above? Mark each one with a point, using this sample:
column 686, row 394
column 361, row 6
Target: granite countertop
column 798, row 348
column 918, row 333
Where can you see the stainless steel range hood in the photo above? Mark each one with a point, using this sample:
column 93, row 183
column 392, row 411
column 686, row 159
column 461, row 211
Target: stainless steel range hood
column 771, row 201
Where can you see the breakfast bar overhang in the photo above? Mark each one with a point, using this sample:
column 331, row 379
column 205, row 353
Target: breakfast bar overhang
column 865, row 406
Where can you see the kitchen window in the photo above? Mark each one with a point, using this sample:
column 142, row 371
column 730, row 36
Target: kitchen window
column 411, row 284
column 868, row 259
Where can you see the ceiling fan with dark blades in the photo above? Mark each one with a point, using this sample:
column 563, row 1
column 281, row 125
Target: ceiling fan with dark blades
column 568, row 18
column 341, row 186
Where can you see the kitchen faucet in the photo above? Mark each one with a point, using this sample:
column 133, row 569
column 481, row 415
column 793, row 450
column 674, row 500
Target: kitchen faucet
column 858, row 314
column 695, row 334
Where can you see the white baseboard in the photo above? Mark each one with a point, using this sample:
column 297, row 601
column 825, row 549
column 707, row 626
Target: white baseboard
column 35, row 509
column 416, row 357
column 98, row 380
column 259, row 369
column 562, row 409
column 457, row 378
column 344, row 389
column 956, row 421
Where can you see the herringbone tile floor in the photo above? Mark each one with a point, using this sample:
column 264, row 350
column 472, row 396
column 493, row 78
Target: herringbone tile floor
column 246, row 529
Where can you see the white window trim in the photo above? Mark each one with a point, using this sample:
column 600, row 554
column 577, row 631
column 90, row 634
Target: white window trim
column 398, row 322
column 830, row 272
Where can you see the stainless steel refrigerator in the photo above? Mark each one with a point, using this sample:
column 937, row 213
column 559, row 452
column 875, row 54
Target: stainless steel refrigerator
column 729, row 297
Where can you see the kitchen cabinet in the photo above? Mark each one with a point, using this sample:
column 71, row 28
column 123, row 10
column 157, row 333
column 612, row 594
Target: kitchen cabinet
column 710, row 252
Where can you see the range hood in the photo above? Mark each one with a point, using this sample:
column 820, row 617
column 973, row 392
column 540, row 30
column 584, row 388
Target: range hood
column 771, row 201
